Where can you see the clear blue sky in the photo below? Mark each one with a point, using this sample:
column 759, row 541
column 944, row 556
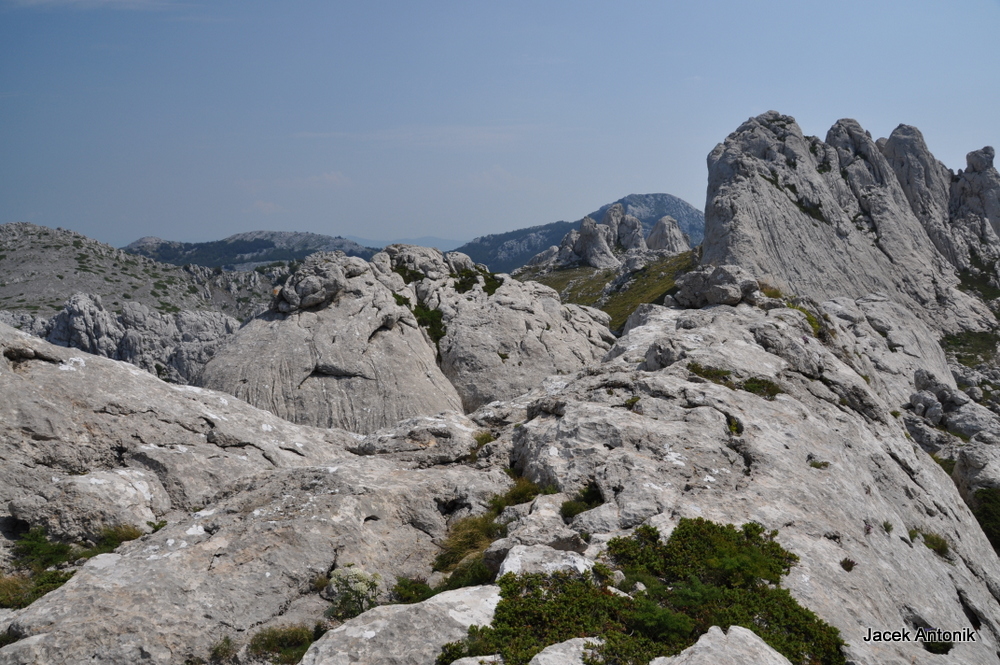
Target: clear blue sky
column 195, row 120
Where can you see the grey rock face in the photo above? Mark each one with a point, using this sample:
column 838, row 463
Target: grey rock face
column 737, row 645
column 593, row 246
column 404, row 634
column 339, row 352
column 828, row 219
column 342, row 342
column 667, row 236
column 172, row 346
column 689, row 447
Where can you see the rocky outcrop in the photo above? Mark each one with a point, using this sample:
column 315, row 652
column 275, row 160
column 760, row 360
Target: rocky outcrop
column 89, row 442
column 829, row 219
column 824, row 460
column 345, row 337
column 736, row 645
column 668, row 237
column 402, row 634
column 337, row 351
column 174, row 346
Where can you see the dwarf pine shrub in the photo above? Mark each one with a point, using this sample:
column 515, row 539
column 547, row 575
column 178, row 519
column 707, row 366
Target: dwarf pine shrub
column 706, row 574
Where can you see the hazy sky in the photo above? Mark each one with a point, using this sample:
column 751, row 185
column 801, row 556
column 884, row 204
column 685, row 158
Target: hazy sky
column 195, row 120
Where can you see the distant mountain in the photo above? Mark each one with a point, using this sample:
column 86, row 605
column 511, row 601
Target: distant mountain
column 503, row 252
column 444, row 244
column 245, row 251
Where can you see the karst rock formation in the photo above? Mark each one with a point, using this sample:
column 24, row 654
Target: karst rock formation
column 795, row 378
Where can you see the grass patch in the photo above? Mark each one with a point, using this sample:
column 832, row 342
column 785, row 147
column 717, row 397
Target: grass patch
column 763, row 387
column 286, row 644
column 972, row 348
column 584, row 285
column 810, row 318
column 706, row 574
column 937, row 543
column 407, row 274
column 473, row 534
column 713, row 374
column 816, row 464
column 402, row 301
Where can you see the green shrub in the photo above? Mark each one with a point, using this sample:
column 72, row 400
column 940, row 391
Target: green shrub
column 848, row 564
column 34, row 551
column 887, row 526
column 354, row 591
column 223, row 651
column 402, row 301
column 713, row 374
column 763, row 387
column 935, row 542
column 987, row 513
column 706, row 574
column 156, row 526
column 432, row 320
column 282, row 645
column 407, row 274
column 408, row 590
column 816, row 464
column 586, row 499
column 468, row 536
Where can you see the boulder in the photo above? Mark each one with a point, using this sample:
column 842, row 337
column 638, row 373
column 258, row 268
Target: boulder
column 404, row 634
column 736, row 645
column 667, row 236
column 338, row 352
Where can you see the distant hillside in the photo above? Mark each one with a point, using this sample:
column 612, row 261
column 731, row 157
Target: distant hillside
column 40, row 268
column 245, row 251
column 503, row 252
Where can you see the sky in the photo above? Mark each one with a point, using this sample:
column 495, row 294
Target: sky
column 193, row 120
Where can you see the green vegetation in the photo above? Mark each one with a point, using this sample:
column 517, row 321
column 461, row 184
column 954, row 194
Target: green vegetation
column 402, row 301
column 848, row 564
column 286, row 644
column 757, row 385
column 223, row 651
column 814, row 323
column 354, row 591
column 887, row 526
column 432, row 320
column 586, row 499
column 586, row 286
column 816, row 464
column 466, row 279
column 407, row 274
column 972, row 348
column 34, row 554
column 947, row 464
column 978, row 283
column 706, row 574
column 987, row 513
column 937, row 543
column 481, row 438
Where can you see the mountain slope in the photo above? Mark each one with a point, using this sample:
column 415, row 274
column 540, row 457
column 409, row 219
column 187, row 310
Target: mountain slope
column 503, row 252
column 254, row 248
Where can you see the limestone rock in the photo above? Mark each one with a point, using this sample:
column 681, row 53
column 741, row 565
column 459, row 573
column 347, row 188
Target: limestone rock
column 667, row 235
column 737, row 645
column 827, row 219
column 499, row 345
column 593, row 246
column 720, row 285
column 242, row 562
column 630, row 234
column 339, row 352
column 172, row 346
column 542, row 559
column 689, row 447
column 404, row 634
column 570, row 652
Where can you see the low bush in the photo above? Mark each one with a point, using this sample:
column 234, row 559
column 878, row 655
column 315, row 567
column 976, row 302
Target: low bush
column 763, row 387
column 706, row 574
column 223, row 651
column 354, row 592
column 586, row 499
column 937, row 543
column 848, row 564
column 283, row 645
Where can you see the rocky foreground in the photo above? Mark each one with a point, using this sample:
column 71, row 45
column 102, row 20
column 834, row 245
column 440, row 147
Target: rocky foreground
column 417, row 379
